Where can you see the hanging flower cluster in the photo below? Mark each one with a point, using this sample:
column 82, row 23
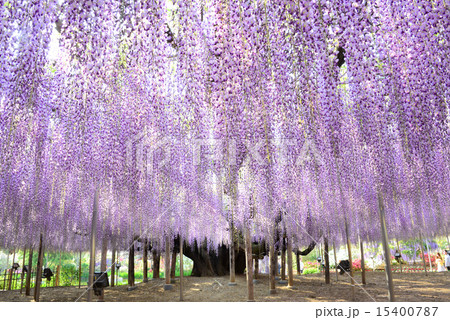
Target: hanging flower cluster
column 194, row 117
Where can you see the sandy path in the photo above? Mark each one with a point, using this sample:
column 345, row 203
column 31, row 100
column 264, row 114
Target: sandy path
column 408, row 287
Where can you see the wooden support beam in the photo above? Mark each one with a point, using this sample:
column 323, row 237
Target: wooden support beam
column 232, row 258
column 131, row 266
column 349, row 250
column 363, row 263
column 272, row 266
column 103, row 264
column 92, row 248
column 23, row 266
column 79, row 272
column 30, row 268
column 297, row 260
column 327, row 262
column 387, row 251
column 289, row 263
column 181, row 268
column 145, row 261
column 249, row 262
column 423, row 254
column 283, row 260
column 113, row 268
column 10, row 280
column 168, row 285
column 335, row 262
column 37, row 285
column 58, row 272
column 400, row 260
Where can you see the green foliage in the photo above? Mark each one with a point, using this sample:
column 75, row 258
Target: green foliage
column 310, row 270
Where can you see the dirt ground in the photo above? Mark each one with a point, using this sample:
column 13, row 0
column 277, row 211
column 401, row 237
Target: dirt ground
column 408, row 287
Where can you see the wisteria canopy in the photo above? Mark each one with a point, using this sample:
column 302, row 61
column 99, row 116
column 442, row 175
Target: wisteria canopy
column 194, row 117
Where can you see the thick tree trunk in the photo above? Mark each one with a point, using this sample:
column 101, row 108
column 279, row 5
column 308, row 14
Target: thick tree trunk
column 213, row 262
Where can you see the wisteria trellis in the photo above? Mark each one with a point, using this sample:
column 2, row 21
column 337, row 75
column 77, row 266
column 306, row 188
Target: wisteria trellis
column 235, row 71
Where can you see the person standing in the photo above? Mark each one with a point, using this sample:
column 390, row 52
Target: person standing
column 439, row 263
column 447, row 261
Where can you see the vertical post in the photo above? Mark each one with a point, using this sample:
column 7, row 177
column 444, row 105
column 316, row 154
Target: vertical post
column 156, row 257
column 400, row 259
column 327, row 262
column 79, row 272
column 11, row 270
column 181, row 268
column 277, row 265
column 173, row 265
column 297, row 257
column 283, row 261
column 30, row 267
column 145, row 260
column 113, row 267
column 429, row 255
column 249, row 260
column 363, row 262
column 256, row 268
column 272, row 266
column 23, row 273
column 131, row 266
column 349, row 250
column 4, row 280
column 118, row 269
column 168, row 285
column 37, row 285
column 103, row 264
column 232, row 258
column 387, row 253
column 58, row 272
column 289, row 263
column 423, row 254
column 92, row 249
column 335, row 262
